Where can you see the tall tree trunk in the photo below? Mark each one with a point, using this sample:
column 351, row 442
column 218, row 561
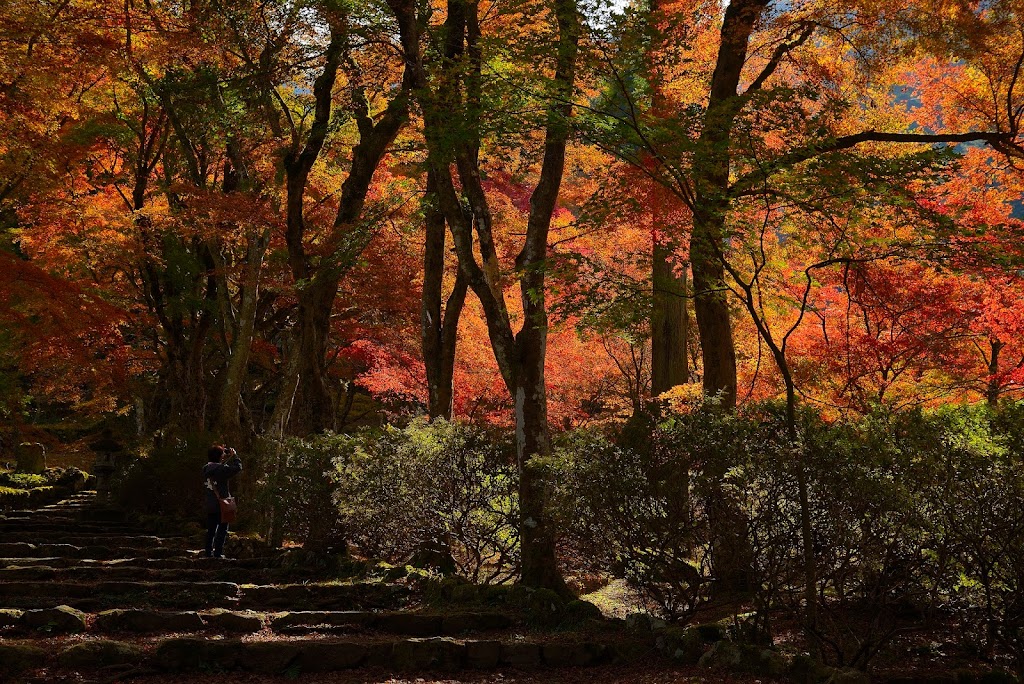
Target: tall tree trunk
column 669, row 315
column 533, row 440
column 711, row 308
column 318, row 284
column 228, row 423
column 711, row 166
column 520, row 357
column 314, row 406
column 440, row 322
column 993, row 389
column 669, row 323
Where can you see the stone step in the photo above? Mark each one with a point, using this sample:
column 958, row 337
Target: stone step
column 183, row 562
column 73, row 514
column 435, row 653
column 98, row 552
column 54, row 517
column 297, row 657
column 64, row 619
column 49, row 530
column 111, row 539
column 392, row 622
column 15, row 572
column 64, row 526
column 97, row 596
column 90, row 596
column 333, row 597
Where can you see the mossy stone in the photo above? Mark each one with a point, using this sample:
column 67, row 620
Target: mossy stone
column 9, row 617
column 483, row 654
column 223, row 620
column 99, row 653
column 580, row 611
column 434, row 653
column 59, row 620
column 16, row 657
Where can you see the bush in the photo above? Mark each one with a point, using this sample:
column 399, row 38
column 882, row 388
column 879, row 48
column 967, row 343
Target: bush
column 167, row 482
column 295, row 489
column 914, row 516
column 634, row 508
column 975, row 498
column 435, row 493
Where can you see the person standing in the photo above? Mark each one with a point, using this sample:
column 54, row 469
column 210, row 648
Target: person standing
column 222, row 465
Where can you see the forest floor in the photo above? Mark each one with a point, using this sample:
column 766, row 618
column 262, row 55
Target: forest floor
column 661, row 673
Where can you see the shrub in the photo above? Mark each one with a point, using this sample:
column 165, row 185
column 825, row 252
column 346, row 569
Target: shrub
column 673, row 506
column 634, row 508
column 975, row 498
column 435, row 489
column 294, row 488
column 167, row 482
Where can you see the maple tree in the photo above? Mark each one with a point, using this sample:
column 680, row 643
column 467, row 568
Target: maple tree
column 251, row 218
column 769, row 92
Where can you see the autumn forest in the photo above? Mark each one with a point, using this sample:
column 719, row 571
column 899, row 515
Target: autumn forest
column 720, row 302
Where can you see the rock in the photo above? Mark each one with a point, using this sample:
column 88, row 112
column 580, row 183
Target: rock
column 330, row 656
column 434, row 653
column 268, row 657
column 520, row 654
column 378, row 654
column 99, row 653
column 558, row 654
column 542, row 607
column 176, row 655
column 411, row 624
column 133, row 620
column 222, row 620
column 9, row 617
column 579, row 611
column 16, row 657
column 644, row 622
column 848, row 675
column 31, row 458
column 465, row 593
column 630, row 651
column 460, row 623
column 682, row 645
column 59, row 620
column 483, row 655
column 807, row 670
column 763, row 661
column 282, row 621
column 724, row 655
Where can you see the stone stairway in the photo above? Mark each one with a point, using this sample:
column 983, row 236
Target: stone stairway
column 83, row 589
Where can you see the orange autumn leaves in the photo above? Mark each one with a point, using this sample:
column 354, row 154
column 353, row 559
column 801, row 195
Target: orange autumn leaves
column 904, row 329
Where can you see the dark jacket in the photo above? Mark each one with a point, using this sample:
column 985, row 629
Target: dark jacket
column 220, row 473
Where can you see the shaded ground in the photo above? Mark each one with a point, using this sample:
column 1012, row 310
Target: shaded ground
column 616, row 674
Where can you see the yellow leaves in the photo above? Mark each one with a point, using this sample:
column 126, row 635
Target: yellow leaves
column 683, row 399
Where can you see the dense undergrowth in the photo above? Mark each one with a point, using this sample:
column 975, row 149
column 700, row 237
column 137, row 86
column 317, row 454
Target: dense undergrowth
column 916, row 518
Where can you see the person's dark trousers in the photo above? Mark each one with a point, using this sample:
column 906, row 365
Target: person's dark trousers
column 216, row 533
